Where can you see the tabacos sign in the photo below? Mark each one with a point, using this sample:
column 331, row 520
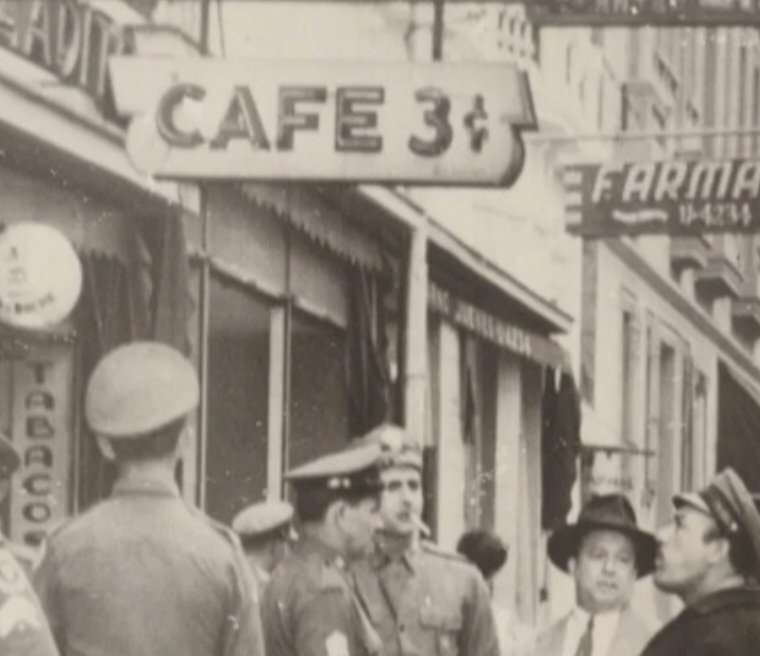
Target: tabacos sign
column 423, row 123
column 673, row 197
column 67, row 37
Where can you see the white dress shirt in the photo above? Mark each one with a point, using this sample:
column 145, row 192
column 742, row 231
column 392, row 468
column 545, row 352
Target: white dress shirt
column 605, row 625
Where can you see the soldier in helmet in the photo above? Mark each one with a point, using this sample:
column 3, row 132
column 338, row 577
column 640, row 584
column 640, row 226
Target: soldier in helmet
column 142, row 573
column 266, row 531
column 421, row 599
column 24, row 630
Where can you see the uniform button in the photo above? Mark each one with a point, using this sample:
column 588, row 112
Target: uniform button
column 401, row 628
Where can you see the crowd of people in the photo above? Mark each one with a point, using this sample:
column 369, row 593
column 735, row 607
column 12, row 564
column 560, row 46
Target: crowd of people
column 347, row 570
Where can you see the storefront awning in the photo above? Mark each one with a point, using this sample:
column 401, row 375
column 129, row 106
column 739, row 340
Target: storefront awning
column 738, row 426
column 496, row 330
column 327, row 226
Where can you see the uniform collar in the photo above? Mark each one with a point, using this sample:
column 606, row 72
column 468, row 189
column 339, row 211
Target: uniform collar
column 740, row 596
column 136, row 485
column 308, row 545
column 388, row 550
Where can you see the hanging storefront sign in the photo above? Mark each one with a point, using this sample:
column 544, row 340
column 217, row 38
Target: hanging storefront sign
column 666, row 197
column 493, row 329
column 422, row 123
column 70, row 38
column 741, row 13
column 40, row 276
column 40, row 387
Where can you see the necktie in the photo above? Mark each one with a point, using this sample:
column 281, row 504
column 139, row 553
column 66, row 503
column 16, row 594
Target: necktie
column 586, row 644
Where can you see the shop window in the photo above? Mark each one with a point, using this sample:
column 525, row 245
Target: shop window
column 238, row 378
column 319, row 402
column 478, row 404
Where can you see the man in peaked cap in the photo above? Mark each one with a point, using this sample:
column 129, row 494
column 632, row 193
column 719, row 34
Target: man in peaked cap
column 309, row 608
column 24, row 630
column 605, row 552
column 421, row 599
column 709, row 556
column 142, row 573
column 265, row 530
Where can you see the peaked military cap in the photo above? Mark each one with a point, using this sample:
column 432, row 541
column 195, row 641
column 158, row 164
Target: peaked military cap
column 9, row 458
column 399, row 448
column 261, row 518
column 351, row 470
column 727, row 500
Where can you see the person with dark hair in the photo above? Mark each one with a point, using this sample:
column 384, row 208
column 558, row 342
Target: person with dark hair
column 485, row 550
column 605, row 552
column 422, row 599
column 709, row 557
column 309, row 607
column 142, row 573
column 266, row 532
column 488, row 553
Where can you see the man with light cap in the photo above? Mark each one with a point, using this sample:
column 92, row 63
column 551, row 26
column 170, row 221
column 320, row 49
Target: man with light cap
column 421, row 599
column 308, row 607
column 709, row 556
column 141, row 573
column 265, row 530
column 24, row 629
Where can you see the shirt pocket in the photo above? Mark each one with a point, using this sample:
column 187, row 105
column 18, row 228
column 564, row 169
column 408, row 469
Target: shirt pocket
column 445, row 626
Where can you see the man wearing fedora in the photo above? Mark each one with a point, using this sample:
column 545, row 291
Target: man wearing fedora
column 605, row 552
column 709, row 556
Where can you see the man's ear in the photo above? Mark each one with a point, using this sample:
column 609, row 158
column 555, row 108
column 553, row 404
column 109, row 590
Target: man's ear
column 106, row 450
column 718, row 550
column 335, row 512
column 572, row 563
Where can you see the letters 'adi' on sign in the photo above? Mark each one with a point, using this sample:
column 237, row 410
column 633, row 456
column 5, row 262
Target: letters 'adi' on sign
column 423, row 123
column 673, row 197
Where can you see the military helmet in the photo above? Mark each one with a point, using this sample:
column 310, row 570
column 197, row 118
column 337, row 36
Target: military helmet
column 138, row 388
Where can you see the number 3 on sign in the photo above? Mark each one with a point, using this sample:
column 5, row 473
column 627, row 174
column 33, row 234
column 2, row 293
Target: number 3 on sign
column 436, row 117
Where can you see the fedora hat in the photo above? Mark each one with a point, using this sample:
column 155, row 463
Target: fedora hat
column 610, row 512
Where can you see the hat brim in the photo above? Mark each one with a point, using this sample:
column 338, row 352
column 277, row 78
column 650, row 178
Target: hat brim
column 563, row 544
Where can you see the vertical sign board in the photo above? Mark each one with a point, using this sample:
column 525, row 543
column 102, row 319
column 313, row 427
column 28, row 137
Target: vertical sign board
column 41, row 428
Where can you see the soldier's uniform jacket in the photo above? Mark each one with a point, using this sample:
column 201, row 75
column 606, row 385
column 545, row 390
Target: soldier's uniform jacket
column 309, row 609
column 725, row 623
column 427, row 602
column 24, row 630
column 143, row 574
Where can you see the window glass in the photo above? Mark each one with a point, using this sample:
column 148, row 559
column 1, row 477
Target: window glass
column 238, row 379
column 318, row 390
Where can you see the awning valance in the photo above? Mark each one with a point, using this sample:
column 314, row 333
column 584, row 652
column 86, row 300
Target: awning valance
column 304, row 209
column 91, row 225
column 495, row 329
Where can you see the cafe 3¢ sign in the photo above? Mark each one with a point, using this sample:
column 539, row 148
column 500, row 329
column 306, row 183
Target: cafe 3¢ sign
column 427, row 123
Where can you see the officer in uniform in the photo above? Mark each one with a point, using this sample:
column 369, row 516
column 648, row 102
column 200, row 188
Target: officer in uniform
column 709, row 556
column 309, row 608
column 141, row 573
column 24, row 630
column 423, row 601
column 265, row 530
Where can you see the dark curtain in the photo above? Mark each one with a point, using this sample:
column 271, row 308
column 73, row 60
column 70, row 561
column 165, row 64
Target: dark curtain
column 369, row 381
column 738, row 429
column 149, row 299
column 560, row 447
